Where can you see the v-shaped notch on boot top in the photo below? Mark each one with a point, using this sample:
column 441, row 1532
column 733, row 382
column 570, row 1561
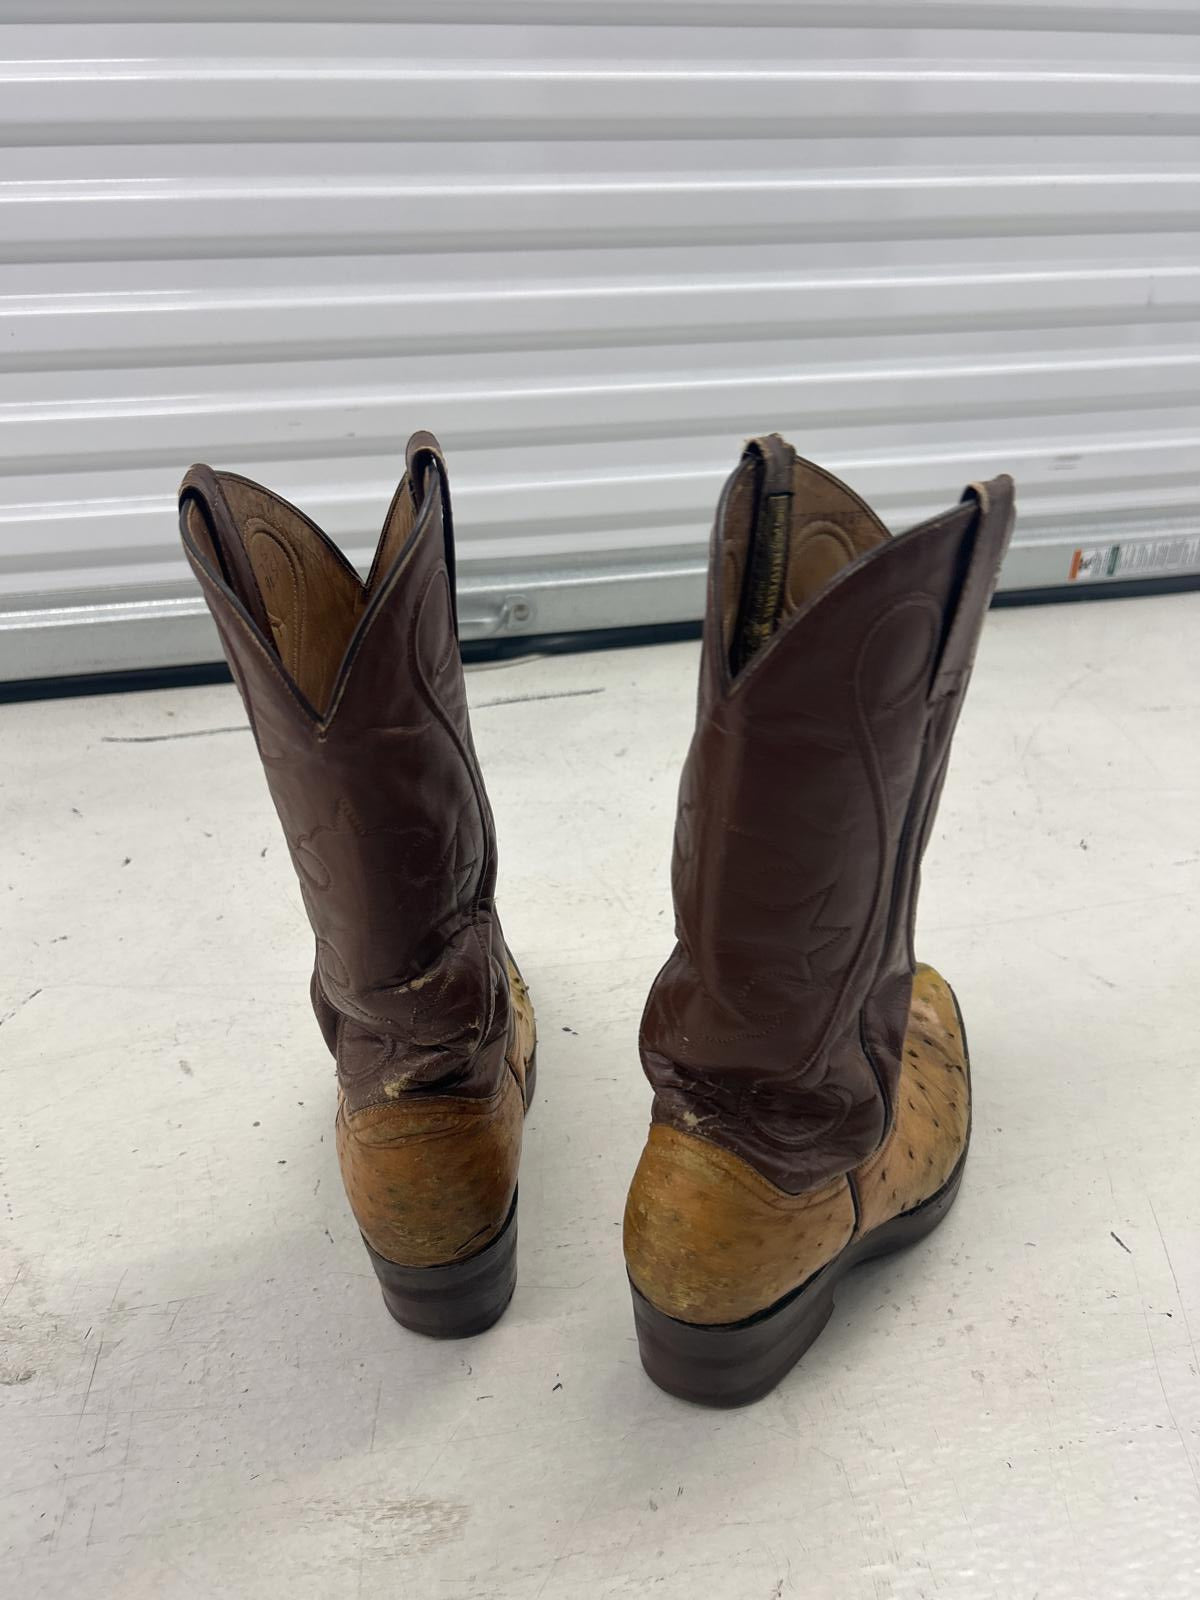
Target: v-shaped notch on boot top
column 306, row 601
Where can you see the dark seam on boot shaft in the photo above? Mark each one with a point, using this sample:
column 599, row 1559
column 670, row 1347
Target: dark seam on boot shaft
column 889, row 1110
column 856, row 1202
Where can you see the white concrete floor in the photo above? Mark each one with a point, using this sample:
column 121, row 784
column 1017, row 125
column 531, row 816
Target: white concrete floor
column 202, row 1394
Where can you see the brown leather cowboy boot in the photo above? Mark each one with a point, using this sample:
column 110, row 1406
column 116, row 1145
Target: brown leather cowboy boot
column 812, row 1100
column 356, row 699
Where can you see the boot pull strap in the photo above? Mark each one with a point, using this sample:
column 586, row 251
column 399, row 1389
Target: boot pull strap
column 775, row 459
column 761, row 601
column 422, row 456
column 987, row 541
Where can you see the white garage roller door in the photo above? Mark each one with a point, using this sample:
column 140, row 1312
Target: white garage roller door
column 592, row 246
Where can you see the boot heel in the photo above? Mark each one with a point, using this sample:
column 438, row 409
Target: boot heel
column 734, row 1363
column 459, row 1299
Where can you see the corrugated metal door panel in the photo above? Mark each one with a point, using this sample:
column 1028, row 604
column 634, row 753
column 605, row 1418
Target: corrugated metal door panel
column 1036, row 16
column 592, row 246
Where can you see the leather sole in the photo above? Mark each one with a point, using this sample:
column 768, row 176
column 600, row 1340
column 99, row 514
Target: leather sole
column 734, row 1363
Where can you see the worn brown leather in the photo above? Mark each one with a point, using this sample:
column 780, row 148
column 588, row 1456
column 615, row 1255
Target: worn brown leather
column 709, row 1240
column 430, row 1177
column 356, row 698
column 776, row 1027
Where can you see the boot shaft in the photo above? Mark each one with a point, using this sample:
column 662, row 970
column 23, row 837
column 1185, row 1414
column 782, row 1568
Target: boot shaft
column 356, row 698
column 834, row 664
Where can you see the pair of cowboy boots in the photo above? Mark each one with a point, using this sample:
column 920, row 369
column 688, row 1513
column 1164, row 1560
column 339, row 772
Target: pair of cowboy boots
column 811, row 1086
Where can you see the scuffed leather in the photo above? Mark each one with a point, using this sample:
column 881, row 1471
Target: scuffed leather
column 708, row 1240
column 776, row 1027
column 431, row 1178
column 382, row 805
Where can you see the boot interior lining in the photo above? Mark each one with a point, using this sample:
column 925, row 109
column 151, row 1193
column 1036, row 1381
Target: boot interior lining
column 293, row 583
column 397, row 528
column 312, row 602
column 829, row 527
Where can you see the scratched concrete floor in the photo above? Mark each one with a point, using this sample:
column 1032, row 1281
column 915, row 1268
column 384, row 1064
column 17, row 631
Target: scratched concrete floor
column 201, row 1394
